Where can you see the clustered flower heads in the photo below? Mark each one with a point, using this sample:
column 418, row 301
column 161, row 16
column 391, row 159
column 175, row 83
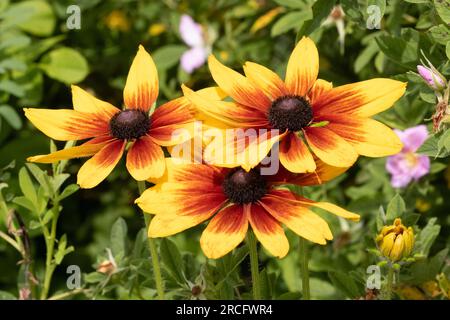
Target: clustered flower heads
column 321, row 130
column 396, row 241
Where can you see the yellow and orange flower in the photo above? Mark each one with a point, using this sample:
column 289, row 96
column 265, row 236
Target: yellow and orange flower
column 335, row 122
column 110, row 129
column 190, row 194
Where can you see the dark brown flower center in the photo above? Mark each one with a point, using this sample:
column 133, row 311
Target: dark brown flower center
column 244, row 187
column 290, row 113
column 129, row 124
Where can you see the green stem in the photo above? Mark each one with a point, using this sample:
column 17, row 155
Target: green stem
column 303, row 246
column 254, row 265
column 50, row 246
column 390, row 281
column 153, row 250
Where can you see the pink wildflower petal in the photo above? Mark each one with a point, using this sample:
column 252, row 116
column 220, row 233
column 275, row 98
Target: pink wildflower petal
column 191, row 32
column 193, row 59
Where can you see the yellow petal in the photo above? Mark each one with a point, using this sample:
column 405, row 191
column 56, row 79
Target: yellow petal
column 362, row 99
column 367, row 136
column 145, row 159
column 237, row 86
column 268, row 231
column 96, row 169
column 141, row 88
column 224, row 232
column 85, row 102
column 330, row 147
column 266, row 80
column 295, row 155
column 67, row 125
column 303, row 67
column 85, row 150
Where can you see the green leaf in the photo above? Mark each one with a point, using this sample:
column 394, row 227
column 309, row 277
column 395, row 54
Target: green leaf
column 25, row 202
column 62, row 244
column 12, row 88
column 399, row 49
column 294, row 4
column 118, row 238
column 426, row 237
column 35, row 17
column 266, row 285
column 58, row 180
column 431, row 148
column 42, row 177
column 320, row 9
column 65, row 64
column 443, row 10
column 365, row 56
column 345, row 283
column 172, row 260
column 11, row 116
column 26, row 185
column 447, row 50
column 444, row 141
column 290, row 296
column 69, row 190
column 425, row 270
column 4, row 295
column 440, row 33
column 291, row 20
column 395, row 209
column 168, row 56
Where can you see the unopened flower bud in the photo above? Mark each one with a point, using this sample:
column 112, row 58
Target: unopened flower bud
column 106, row 267
column 432, row 77
column 396, row 241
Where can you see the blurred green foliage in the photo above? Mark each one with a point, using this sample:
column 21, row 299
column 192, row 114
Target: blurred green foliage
column 40, row 57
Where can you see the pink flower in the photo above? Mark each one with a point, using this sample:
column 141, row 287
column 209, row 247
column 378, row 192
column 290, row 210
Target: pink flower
column 192, row 34
column 408, row 165
column 432, row 77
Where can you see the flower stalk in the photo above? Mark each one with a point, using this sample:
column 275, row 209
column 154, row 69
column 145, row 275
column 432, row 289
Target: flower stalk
column 153, row 251
column 304, row 271
column 254, row 265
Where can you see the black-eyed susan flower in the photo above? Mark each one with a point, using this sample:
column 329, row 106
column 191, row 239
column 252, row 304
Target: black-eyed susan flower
column 234, row 198
column 110, row 129
column 396, row 241
column 335, row 122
